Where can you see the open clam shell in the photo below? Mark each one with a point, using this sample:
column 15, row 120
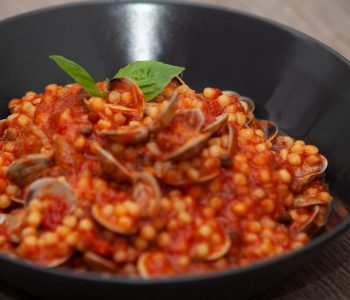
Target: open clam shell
column 25, row 170
column 304, row 174
column 3, row 218
column 139, row 134
column 166, row 116
column 147, row 194
column 193, row 120
column 99, row 263
column 215, row 126
column 233, row 139
column 230, row 93
column 189, row 148
column 113, row 223
column 164, row 170
column 154, row 264
column 178, row 80
column 192, row 117
column 307, row 226
column 89, row 108
column 126, row 134
column 269, row 128
column 112, row 167
column 51, row 256
column 220, row 250
column 250, row 103
column 49, row 186
column 137, row 107
column 15, row 222
column 57, row 261
column 306, row 201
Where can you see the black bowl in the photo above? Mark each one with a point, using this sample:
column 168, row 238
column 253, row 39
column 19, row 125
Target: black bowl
column 295, row 81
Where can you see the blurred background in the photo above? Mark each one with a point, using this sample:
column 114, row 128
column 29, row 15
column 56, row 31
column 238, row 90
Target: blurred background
column 325, row 20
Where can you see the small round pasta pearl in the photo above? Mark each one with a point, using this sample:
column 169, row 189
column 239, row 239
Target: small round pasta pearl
column 294, row 159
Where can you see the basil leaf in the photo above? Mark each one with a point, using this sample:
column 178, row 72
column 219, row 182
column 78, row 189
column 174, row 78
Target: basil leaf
column 151, row 76
column 79, row 74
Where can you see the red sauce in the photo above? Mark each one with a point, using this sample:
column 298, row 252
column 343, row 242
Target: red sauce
column 54, row 213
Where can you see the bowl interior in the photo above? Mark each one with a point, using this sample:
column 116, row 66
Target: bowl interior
column 294, row 80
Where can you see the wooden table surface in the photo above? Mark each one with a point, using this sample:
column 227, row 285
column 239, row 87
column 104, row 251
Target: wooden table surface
column 328, row 275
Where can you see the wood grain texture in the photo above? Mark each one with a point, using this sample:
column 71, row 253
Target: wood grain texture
column 327, row 276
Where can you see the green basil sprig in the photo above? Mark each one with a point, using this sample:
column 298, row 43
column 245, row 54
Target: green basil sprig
column 151, row 76
column 79, row 74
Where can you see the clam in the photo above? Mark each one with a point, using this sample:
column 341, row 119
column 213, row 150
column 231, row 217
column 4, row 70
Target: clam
column 112, row 167
column 56, row 261
column 196, row 143
column 249, row 101
column 220, row 250
column 282, row 142
column 191, row 118
column 25, row 170
column 230, row 93
column 18, row 200
column 269, row 128
column 3, row 218
column 126, row 134
column 88, row 107
column 47, row 255
column 322, row 217
column 138, row 134
column 189, row 148
column 233, row 141
column 123, row 83
column 147, row 194
column 304, row 174
column 113, row 223
column 320, row 211
column 178, row 80
column 99, row 263
column 169, row 173
column 166, row 115
column 137, row 95
column 49, row 186
column 115, row 108
column 165, row 172
column 154, row 264
column 215, row 126
column 50, row 256
column 307, row 226
column 208, row 177
column 306, row 201
column 15, row 222
column 318, row 214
